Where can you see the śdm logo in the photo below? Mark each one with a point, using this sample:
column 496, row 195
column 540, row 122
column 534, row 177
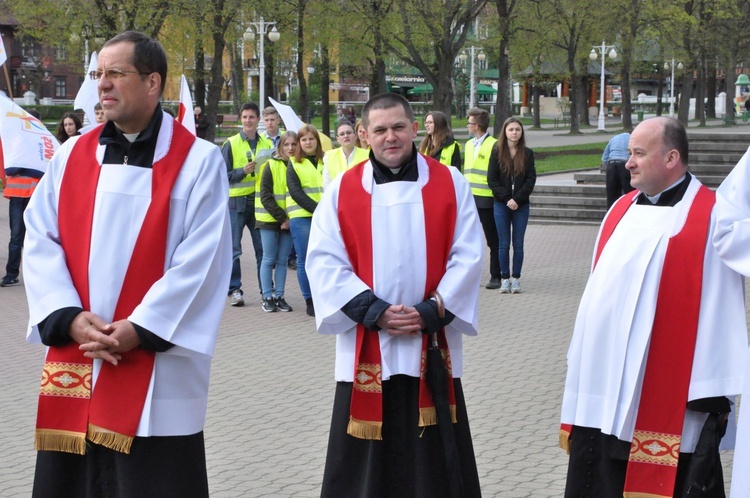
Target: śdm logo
column 28, row 122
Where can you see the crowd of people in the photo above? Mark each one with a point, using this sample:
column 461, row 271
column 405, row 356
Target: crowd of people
column 130, row 294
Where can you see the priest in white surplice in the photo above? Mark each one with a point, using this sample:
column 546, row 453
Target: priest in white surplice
column 732, row 241
column 126, row 263
column 386, row 234
column 657, row 352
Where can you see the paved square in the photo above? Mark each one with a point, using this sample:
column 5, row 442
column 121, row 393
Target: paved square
column 272, row 384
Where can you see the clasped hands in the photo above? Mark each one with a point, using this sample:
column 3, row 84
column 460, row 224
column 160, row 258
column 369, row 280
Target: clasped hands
column 99, row 339
column 398, row 319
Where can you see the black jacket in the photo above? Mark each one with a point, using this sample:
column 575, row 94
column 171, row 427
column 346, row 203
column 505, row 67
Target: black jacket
column 505, row 186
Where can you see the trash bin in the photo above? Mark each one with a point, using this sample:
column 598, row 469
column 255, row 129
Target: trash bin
column 640, row 116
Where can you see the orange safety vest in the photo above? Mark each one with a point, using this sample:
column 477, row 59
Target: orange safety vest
column 19, row 186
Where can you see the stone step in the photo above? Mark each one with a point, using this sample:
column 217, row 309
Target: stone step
column 568, row 201
column 718, row 137
column 571, row 190
column 714, row 157
column 738, row 147
column 548, row 213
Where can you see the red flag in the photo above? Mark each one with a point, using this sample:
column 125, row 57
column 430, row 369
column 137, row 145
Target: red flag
column 185, row 112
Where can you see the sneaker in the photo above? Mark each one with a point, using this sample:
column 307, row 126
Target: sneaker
column 515, row 286
column 494, row 283
column 505, row 286
column 310, row 308
column 9, row 281
column 281, row 305
column 268, row 305
column 237, row 299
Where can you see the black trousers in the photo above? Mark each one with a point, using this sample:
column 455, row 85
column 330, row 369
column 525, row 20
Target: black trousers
column 618, row 181
column 487, row 219
column 157, row 467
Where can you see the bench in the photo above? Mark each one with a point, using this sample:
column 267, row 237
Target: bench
column 227, row 120
column 565, row 118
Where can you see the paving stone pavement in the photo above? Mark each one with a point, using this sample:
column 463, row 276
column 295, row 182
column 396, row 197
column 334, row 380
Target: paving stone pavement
column 272, row 383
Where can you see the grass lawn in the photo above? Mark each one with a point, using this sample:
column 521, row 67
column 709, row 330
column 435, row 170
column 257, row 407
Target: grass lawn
column 550, row 159
column 566, row 163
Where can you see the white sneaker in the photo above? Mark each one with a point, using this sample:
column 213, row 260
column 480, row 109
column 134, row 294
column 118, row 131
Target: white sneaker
column 515, row 286
column 237, row 299
column 505, row 286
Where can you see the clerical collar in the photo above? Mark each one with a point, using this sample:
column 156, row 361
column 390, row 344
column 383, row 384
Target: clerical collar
column 407, row 172
column 669, row 196
column 120, row 150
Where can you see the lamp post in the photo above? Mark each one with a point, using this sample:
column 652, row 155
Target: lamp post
column 670, row 65
column 310, row 71
column 261, row 28
column 472, row 78
column 593, row 56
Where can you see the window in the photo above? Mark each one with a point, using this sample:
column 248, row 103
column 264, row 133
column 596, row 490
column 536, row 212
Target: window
column 60, row 53
column 61, row 90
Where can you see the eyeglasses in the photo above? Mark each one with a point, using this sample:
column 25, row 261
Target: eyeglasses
column 345, row 133
column 470, row 124
column 112, row 74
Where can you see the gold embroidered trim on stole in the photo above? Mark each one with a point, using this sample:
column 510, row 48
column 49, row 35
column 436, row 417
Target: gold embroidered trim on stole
column 71, row 380
column 368, row 378
column 655, row 448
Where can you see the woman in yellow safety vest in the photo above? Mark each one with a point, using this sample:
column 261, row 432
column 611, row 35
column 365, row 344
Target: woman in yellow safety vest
column 438, row 142
column 304, row 190
column 336, row 161
column 272, row 221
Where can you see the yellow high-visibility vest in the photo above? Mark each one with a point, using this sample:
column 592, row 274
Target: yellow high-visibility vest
column 250, row 183
column 475, row 168
column 278, row 171
column 311, row 180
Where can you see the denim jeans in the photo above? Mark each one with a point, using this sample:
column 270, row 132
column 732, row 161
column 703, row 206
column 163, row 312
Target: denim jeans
column 276, row 244
column 300, row 228
column 507, row 221
column 16, row 208
column 241, row 215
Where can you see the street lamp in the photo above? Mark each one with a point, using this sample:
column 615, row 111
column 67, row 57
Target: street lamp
column 593, row 56
column 310, row 71
column 475, row 52
column 670, row 65
column 261, row 28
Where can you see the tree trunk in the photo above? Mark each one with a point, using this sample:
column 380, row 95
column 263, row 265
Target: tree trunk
column 235, row 76
column 700, row 105
column 217, row 80
column 503, row 108
column 325, row 85
column 535, row 96
column 659, row 91
column 582, row 97
column 443, row 88
column 301, row 73
column 729, row 117
column 686, row 89
column 711, row 93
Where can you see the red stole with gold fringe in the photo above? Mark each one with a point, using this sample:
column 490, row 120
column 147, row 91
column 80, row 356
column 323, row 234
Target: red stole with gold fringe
column 355, row 219
column 68, row 412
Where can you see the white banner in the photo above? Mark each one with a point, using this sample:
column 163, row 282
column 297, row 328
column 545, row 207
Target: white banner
column 26, row 142
column 185, row 112
column 3, row 55
column 88, row 94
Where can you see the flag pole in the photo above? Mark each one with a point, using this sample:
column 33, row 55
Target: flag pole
column 7, row 80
